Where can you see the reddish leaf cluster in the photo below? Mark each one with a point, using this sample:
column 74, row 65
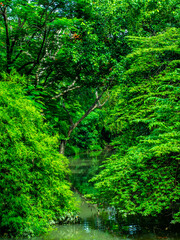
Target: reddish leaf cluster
column 76, row 36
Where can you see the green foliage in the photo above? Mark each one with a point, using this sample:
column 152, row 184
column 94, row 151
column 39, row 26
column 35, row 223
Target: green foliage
column 67, row 48
column 144, row 177
column 71, row 52
column 86, row 136
column 33, row 186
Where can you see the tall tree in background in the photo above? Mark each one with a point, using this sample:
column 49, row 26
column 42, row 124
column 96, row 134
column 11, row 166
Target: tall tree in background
column 67, row 48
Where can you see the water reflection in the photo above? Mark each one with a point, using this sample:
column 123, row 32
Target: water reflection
column 92, row 226
column 85, row 232
column 79, row 232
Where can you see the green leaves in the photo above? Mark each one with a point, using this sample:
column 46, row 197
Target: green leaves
column 33, row 189
column 143, row 177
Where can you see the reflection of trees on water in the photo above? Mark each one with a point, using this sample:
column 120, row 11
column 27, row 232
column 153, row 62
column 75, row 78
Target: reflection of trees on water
column 94, row 223
column 83, row 168
column 80, row 232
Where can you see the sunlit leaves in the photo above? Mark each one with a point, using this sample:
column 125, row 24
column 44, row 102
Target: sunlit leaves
column 33, row 186
column 143, row 177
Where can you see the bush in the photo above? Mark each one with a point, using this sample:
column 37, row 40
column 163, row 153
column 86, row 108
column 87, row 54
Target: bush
column 33, row 189
column 143, row 177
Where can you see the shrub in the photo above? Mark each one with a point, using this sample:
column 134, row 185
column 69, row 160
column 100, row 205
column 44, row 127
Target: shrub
column 33, row 188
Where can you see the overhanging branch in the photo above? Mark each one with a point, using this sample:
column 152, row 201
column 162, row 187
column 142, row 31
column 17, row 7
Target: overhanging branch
column 95, row 105
column 69, row 88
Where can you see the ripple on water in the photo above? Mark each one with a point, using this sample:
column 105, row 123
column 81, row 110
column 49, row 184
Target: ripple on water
column 79, row 232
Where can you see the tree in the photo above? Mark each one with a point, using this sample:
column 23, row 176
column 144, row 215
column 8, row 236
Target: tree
column 61, row 47
column 33, row 185
column 72, row 46
column 143, row 177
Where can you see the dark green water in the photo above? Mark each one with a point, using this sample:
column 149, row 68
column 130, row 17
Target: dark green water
column 90, row 227
column 93, row 226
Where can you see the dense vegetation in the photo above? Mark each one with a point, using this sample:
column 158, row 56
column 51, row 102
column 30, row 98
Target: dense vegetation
column 82, row 75
column 143, row 177
column 33, row 186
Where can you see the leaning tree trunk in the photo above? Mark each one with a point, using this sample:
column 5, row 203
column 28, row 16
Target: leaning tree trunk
column 95, row 105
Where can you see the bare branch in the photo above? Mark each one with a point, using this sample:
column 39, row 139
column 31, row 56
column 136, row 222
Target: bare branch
column 4, row 14
column 42, row 46
column 95, row 105
column 26, row 64
column 100, row 105
column 67, row 90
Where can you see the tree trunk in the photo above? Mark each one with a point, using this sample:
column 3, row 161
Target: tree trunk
column 8, row 51
column 95, row 105
column 62, row 147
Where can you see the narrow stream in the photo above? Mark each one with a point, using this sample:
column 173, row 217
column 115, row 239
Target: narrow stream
column 92, row 226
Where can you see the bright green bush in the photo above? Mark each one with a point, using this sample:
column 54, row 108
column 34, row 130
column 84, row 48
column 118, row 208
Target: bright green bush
column 144, row 176
column 33, row 189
